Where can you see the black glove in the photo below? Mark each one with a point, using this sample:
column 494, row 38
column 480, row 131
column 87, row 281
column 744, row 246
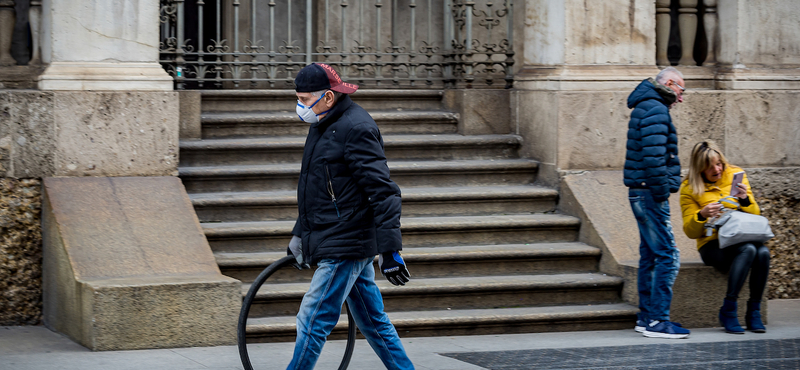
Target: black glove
column 393, row 267
column 295, row 249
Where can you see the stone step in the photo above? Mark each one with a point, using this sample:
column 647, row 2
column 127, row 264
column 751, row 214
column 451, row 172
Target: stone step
column 285, row 100
column 423, row 201
column 274, row 236
column 286, row 123
column 460, row 293
column 435, row 262
column 404, row 173
column 469, row 322
column 289, row 149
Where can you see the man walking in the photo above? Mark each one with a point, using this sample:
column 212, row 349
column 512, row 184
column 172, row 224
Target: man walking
column 652, row 172
column 349, row 211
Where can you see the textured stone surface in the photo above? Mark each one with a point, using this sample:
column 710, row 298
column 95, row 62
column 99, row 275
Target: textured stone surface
column 739, row 355
column 126, row 266
column 79, row 133
column 609, row 32
column 763, row 128
column 481, row 112
column 754, row 128
column 589, row 32
column 116, row 134
column 783, row 213
column 92, row 31
column 29, row 133
column 778, row 194
column 590, row 135
column 191, row 126
column 759, row 32
column 20, row 252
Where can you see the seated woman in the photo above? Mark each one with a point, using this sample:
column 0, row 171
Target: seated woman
column 710, row 178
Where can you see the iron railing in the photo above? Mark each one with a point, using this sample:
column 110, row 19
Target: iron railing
column 237, row 44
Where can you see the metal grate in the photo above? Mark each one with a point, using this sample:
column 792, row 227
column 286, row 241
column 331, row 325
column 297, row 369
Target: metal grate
column 236, row 44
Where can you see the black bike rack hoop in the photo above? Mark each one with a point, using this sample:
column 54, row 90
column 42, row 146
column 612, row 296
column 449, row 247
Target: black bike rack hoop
column 248, row 301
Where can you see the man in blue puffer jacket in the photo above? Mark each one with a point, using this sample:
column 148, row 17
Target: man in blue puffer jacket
column 652, row 172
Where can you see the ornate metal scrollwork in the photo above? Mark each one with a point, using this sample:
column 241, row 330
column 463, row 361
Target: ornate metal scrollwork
column 461, row 44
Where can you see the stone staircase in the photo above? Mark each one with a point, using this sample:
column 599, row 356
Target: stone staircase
column 486, row 250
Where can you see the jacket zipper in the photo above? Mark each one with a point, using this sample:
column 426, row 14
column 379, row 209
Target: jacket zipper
column 330, row 191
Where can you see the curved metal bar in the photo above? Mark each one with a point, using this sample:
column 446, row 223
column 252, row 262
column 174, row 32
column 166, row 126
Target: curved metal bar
column 248, row 301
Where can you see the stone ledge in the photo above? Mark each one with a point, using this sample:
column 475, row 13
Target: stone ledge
column 599, row 199
column 105, row 77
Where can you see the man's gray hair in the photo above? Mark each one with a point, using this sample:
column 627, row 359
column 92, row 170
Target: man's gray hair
column 336, row 94
column 668, row 73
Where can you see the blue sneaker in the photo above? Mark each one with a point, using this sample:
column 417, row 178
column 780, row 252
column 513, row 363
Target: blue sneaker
column 665, row 329
column 641, row 325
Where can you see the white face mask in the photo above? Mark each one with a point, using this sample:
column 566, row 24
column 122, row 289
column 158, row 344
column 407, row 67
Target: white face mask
column 306, row 114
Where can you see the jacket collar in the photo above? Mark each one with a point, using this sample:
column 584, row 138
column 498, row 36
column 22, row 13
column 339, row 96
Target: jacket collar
column 337, row 111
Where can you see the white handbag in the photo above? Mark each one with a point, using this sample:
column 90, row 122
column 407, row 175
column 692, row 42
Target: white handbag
column 734, row 227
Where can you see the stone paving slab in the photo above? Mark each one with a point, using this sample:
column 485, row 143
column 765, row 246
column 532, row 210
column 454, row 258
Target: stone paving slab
column 753, row 354
column 35, row 347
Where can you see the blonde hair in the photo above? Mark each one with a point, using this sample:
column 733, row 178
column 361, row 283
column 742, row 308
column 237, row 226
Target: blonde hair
column 702, row 154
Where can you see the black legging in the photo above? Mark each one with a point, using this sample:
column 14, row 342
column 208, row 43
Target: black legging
column 738, row 260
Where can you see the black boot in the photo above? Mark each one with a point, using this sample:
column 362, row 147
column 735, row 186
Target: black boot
column 753, row 318
column 728, row 319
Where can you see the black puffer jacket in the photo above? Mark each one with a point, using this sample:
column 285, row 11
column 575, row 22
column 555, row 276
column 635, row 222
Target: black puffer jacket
column 344, row 154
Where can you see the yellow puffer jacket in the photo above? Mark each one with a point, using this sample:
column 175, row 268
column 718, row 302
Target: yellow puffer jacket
column 691, row 204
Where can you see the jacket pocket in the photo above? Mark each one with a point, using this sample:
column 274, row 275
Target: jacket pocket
column 331, row 190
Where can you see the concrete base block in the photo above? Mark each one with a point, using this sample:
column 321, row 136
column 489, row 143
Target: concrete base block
column 127, row 266
column 159, row 312
column 599, row 199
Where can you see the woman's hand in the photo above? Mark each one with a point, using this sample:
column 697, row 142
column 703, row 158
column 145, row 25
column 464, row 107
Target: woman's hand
column 742, row 194
column 711, row 210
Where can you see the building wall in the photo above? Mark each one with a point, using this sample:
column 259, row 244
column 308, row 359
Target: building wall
column 764, row 32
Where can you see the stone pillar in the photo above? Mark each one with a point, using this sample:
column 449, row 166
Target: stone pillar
column 581, row 59
column 687, row 24
column 662, row 32
column 35, row 21
column 710, row 25
column 7, row 21
column 759, row 45
column 102, row 45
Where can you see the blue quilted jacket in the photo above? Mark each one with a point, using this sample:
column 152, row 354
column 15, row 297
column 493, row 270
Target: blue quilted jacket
column 651, row 161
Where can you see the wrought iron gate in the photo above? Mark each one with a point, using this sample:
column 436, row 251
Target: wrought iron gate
column 239, row 44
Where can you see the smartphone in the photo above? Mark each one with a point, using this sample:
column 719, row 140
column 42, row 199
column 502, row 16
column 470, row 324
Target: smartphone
column 737, row 179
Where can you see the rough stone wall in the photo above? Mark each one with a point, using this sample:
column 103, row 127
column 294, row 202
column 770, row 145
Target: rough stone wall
column 778, row 196
column 783, row 213
column 20, row 252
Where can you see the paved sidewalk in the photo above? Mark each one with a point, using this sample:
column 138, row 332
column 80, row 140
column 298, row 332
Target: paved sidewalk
column 710, row 348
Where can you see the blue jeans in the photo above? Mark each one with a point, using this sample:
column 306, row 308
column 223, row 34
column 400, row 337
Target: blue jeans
column 659, row 257
column 334, row 281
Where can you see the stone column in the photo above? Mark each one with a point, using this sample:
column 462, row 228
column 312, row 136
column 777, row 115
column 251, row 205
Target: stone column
column 7, row 21
column 102, row 45
column 662, row 32
column 35, row 21
column 710, row 25
column 687, row 23
column 758, row 44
